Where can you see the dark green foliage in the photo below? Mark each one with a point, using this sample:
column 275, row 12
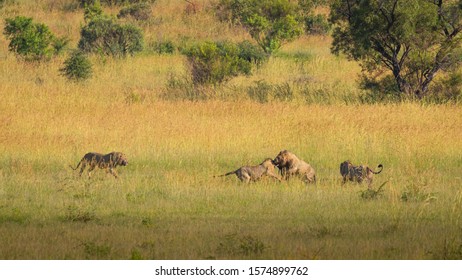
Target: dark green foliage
column 60, row 44
column 251, row 53
column 32, row 41
column 316, row 24
column 104, row 35
column 412, row 40
column 271, row 23
column 216, row 62
column 77, row 67
column 139, row 11
column 92, row 10
column 163, row 47
column 448, row 89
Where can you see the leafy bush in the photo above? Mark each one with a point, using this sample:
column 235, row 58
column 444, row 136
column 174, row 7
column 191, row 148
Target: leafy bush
column 163, row 47
column 32, row 41
column 316, row 24
column 447, row 89
column 216, row 62
column 77, row 67
column 139, row 11
column 103, row 35
column 270, row 22
column 92, row 11
column 251, row 53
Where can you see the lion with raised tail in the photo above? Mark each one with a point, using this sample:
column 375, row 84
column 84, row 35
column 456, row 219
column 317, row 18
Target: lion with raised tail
column 358, row 173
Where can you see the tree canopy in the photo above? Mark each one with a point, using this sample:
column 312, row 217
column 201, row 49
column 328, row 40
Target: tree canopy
column 271, row 23
column 412, row 40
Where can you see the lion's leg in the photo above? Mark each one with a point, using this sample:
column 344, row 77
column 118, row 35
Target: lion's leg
column 84, row 164
column 285, row 173
column 92, row 166
column 245, row 177
column 113, row 172
column 271, row 174
column 309, row 179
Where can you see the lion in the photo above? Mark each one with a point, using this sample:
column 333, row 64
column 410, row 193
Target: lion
column 109, row 162
column 290, row 165
column 254, row 173
column 357, row 173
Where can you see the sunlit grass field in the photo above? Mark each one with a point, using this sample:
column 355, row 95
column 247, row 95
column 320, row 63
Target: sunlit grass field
column 167, row 204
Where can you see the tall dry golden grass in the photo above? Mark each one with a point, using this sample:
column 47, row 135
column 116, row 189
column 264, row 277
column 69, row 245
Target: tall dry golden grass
column 167, row 203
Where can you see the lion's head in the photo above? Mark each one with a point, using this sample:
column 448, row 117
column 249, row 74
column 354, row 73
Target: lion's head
column 282, row 159
column 120, row 158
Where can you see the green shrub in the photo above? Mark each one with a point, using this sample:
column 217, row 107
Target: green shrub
column 216, row 62
column 77, row 67
column 163, row 47
column 32, row 41
column 139, row 11
column 447, row 89
column 92, row 10
column 252, row 53
column 103, row 35
column 316, row 24
column 60, row 45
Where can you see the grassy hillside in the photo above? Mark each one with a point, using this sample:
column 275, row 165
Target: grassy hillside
column 167, row 203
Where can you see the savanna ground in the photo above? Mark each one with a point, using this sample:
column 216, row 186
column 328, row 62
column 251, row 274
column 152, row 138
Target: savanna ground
column 167, row 204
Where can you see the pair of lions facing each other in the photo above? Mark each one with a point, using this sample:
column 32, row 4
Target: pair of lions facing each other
column 108, row 161
column 288, row 163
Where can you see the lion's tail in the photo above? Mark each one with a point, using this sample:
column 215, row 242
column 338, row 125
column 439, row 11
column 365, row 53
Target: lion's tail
column 379, row 166
column 229, row 173
column 76, row 166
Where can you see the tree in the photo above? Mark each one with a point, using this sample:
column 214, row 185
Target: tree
column 102, row 34
column 32, row 41
column 271, row 23
column 411, row 40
